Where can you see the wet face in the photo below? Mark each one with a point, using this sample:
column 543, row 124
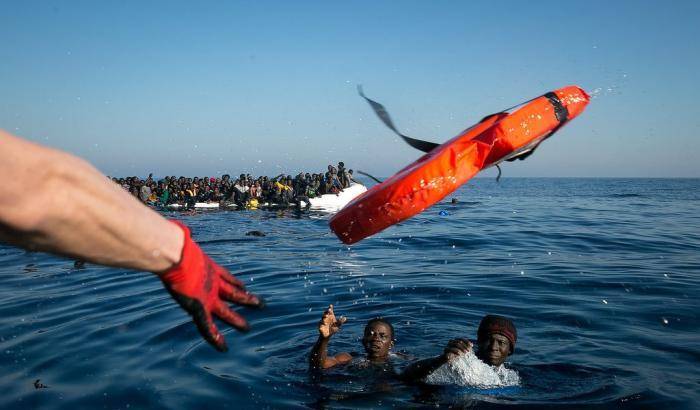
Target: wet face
column 377, row 341
column 494, row 349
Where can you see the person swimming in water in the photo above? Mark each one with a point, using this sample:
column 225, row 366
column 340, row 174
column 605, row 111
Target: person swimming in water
column 495, row 341
column 378, row 340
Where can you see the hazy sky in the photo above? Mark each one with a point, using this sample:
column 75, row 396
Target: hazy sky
column 269, row 87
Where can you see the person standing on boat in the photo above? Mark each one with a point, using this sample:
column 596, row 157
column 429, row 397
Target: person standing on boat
column 351, row 178
column 342, row 175
column 378, row 340
column 495, row 341
column 335, row 180
column 75, row 211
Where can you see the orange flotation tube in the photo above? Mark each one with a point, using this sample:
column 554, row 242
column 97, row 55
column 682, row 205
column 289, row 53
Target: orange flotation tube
column 498, row 137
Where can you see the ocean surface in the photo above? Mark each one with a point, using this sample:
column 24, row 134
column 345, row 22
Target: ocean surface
column 601, row 276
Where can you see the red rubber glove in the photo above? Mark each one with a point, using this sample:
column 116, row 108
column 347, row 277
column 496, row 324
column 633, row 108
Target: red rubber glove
column 201, row 287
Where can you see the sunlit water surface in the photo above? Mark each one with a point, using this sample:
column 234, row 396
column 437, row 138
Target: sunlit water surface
column 601, row 277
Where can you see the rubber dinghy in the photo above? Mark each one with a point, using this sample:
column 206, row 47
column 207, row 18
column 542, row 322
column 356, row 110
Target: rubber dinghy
column 197, row 205
column 333, row 202
column 504, row 136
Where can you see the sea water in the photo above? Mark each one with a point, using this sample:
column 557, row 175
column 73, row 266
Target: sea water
column 600, row 276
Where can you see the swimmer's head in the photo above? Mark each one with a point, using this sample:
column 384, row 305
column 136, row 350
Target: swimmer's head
column 378, row 338
column 496, row 339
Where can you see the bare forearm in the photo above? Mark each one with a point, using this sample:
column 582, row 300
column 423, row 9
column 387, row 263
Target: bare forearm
column 319, row 354
column 58, row 203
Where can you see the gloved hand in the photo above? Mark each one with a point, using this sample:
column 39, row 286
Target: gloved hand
column 201, row 287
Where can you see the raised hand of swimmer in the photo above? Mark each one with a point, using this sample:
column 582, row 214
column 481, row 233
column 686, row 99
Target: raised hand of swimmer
column 456, row 347
column 329, row 325
column 201, row 288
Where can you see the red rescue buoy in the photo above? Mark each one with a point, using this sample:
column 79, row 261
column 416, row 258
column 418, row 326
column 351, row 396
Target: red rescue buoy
column 498, row 137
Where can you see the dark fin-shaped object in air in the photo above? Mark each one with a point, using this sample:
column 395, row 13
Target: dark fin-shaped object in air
column 498, row 177
column 369, row 176
column 383, row 115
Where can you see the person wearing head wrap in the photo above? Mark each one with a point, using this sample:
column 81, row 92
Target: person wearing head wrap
column 496, row 337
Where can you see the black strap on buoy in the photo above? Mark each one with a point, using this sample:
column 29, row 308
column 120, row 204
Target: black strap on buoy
column 560, row 111
column 562, row 115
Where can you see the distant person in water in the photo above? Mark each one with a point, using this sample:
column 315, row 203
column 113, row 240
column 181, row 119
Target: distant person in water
column 495, row 341
column 378, row 340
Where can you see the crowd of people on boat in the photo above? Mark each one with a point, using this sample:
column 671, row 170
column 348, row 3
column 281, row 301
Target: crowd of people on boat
column 280, row 190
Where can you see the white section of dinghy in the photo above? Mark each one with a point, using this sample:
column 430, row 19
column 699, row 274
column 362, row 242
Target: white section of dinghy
column 336, row 202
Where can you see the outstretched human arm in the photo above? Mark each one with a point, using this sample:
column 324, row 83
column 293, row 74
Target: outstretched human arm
column 418, row 371
column 327, row 327
column 55, row 202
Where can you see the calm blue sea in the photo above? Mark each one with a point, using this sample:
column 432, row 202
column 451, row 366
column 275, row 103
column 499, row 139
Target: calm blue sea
column 601, row 276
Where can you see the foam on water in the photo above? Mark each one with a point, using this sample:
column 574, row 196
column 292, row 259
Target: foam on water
column 468, row 370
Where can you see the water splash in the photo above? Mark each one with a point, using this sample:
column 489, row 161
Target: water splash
column 615, row 88
column 468, row 370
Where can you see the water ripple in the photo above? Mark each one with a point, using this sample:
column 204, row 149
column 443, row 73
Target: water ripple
column 600, row 276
